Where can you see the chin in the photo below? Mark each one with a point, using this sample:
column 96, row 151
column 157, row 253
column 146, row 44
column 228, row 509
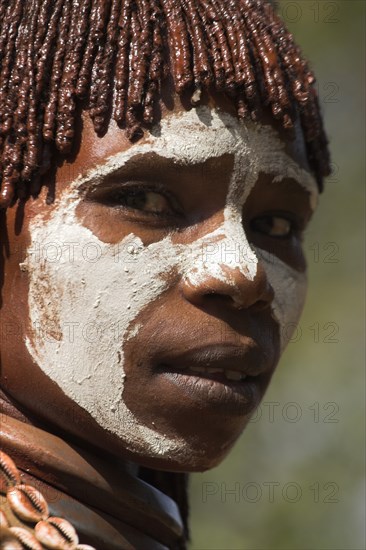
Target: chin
column 201, row 447
column 191, row 457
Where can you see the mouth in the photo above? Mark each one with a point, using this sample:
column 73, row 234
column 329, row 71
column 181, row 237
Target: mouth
column 228, row 377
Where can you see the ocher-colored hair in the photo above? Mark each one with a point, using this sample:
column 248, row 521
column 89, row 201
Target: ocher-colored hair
column 112, row 56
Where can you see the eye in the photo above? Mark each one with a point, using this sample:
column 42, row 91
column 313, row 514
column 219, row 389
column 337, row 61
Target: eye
column 276, row 226
column 143, row 200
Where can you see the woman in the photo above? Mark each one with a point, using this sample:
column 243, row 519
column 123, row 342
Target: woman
column 160, row 161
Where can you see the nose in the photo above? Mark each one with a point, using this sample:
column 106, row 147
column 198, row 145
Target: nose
column 233, row 288
column 224, row 267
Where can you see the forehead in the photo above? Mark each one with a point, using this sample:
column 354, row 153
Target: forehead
column 190, row 138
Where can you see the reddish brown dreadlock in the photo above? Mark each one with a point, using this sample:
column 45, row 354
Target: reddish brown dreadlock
column 114, row 56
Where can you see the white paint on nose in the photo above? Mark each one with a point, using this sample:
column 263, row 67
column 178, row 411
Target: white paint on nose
column 226, row 250
column 221, row 253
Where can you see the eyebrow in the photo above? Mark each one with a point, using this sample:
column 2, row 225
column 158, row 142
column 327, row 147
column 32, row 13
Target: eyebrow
column 306, row 183
column 142, row 164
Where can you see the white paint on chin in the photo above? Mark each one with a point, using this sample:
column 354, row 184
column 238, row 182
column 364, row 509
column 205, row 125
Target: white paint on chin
column 90, row 308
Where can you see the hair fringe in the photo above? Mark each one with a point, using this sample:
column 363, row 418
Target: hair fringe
column 113, row 55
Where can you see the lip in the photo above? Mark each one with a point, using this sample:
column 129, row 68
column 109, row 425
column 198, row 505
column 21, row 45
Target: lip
column 214, row 389
column 248, row 360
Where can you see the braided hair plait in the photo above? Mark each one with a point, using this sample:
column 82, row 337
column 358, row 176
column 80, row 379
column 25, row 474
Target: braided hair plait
column 114, row 55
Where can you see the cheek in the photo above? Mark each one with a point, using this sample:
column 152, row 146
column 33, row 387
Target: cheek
column 74, row 317
column 83, row 309
column 83, row 303
column 290, row 287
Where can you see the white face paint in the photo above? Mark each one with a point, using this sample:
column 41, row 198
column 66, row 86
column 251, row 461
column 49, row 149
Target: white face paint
column 85, row 294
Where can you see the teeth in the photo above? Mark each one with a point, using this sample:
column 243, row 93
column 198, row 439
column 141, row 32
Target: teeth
column 229, row 374
column 200, row 370
column 234, row 375
column 213, row 370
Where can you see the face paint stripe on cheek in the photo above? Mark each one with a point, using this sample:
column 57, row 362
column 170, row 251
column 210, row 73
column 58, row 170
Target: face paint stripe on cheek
column 290, row 288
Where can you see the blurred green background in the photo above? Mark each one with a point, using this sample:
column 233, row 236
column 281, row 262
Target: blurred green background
column 295, row 479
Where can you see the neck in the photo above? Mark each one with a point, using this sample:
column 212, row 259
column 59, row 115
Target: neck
column 12, row 409
column 104, row 499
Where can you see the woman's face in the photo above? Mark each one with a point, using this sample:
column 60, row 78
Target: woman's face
column 155, row 295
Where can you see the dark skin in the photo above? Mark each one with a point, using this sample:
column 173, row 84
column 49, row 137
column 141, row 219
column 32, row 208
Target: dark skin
column 211, row 426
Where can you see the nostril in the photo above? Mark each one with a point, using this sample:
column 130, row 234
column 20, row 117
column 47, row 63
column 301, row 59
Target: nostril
column 231, row 288
column 257, row 295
